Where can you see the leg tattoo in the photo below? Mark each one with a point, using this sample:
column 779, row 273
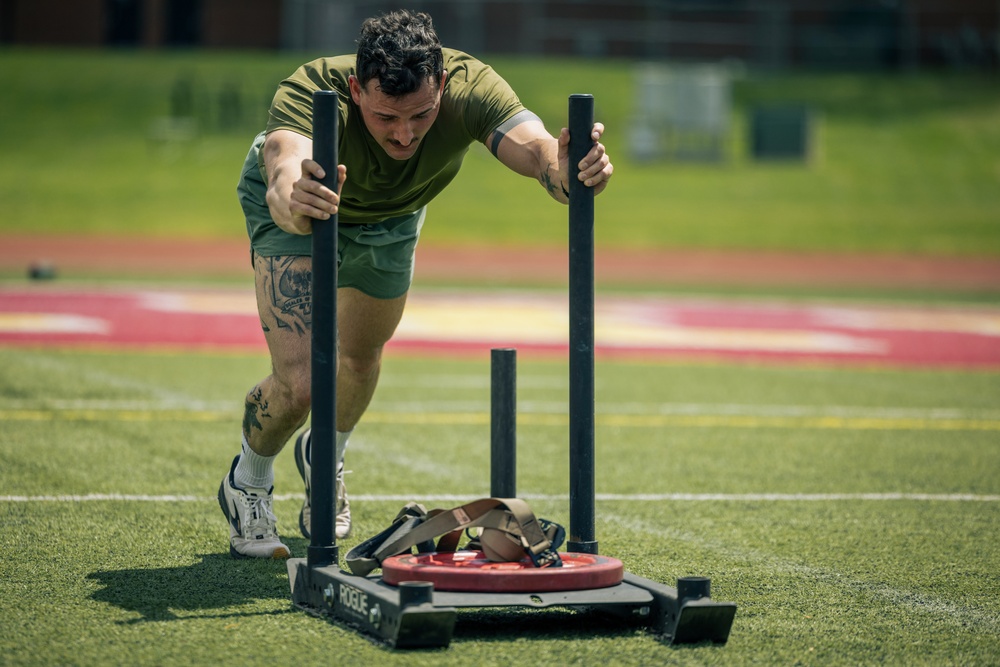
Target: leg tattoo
column 256, row 406
column 288, row 291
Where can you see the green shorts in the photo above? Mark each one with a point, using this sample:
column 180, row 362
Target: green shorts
column 375, row 258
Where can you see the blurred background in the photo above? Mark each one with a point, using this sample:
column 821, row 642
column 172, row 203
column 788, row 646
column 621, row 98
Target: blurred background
column 833, row 127
column 873, row 34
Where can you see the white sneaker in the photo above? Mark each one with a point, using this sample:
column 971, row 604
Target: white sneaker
column 252, row 525
column 343, row 523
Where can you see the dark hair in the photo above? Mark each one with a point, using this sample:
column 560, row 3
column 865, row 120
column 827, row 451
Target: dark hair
column 401, row 51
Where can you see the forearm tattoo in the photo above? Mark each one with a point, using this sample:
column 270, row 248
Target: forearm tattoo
column 549, row 184
column 255, row 408
column 287, row 289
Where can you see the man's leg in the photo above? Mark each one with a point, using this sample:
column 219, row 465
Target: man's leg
column 274, row 408
column 277, row 406
column 280, row 403
column 365, row 324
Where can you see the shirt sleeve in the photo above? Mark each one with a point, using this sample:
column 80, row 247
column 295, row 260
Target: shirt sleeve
column 484, row 100
column 291, row 108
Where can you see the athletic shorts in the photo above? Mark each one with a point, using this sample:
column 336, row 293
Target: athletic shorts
column 375, row 258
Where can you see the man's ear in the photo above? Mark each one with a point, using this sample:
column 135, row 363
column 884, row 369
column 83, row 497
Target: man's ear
column 444, row 78
column 355, row 87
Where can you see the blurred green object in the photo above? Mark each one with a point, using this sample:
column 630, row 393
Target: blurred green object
column 126, row 142
column 781, row 132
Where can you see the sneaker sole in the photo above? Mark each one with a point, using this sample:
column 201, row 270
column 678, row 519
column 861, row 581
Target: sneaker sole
column 300, row 463
column 279, row 554
column 223, row 505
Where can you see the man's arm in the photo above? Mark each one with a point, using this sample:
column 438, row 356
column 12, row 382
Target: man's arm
column 294, row 196
column 528, row 149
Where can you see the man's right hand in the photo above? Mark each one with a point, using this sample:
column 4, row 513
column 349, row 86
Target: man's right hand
column 294, row 196
column 310, row 199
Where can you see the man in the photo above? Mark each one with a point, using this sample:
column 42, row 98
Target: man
column 409, row 112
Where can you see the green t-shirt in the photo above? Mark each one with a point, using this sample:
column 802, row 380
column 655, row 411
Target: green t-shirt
column 475, row 102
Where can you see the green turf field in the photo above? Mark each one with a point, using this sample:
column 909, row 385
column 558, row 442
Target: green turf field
column 850, row 513
column 904, row 164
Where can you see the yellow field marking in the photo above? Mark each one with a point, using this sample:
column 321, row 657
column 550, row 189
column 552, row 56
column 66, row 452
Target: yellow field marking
column 534, row 419
column 820, row 422
column 48, row 323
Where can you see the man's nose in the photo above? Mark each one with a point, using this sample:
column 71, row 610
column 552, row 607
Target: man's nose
column 403, row 134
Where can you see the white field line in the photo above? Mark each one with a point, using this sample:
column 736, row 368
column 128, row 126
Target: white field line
column 609, row 497
column 957, row 615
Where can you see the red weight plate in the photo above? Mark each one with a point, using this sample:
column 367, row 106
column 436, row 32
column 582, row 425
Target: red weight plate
column 470, row 571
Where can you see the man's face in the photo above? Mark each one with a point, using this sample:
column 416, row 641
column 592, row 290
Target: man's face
column 398, row 124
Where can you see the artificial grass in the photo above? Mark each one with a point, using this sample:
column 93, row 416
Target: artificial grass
column 838, row 580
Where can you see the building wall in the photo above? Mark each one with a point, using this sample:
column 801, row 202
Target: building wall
column 771, row 33
column 145, row 23
column 51, row 22
column 242, row 24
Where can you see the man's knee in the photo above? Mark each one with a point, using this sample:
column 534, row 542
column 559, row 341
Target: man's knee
column 363, row 363
column 295, row 389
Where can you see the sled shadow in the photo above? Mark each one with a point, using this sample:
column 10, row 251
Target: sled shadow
column 217, row 581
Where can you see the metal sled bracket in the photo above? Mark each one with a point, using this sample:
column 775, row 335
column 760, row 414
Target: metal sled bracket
column 413, row 615
column 403, row 617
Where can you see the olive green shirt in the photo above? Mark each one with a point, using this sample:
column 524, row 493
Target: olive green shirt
column 476, row 100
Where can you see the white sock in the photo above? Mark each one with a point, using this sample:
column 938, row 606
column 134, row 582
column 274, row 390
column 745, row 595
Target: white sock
column 253, row 470
column 342, row 437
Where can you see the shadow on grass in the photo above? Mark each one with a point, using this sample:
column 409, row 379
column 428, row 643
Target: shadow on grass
column 506, row 625
column 509, row 625
column 216, row 582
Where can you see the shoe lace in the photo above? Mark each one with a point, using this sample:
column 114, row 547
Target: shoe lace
column 259, row 518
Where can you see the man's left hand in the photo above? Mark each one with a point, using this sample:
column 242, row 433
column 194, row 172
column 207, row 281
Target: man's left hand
column 595, row 168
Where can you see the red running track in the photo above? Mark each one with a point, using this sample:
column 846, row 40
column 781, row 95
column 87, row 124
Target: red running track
column 453, row 322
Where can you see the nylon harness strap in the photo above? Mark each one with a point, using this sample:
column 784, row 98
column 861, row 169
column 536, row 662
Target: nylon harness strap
column 414, row 526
